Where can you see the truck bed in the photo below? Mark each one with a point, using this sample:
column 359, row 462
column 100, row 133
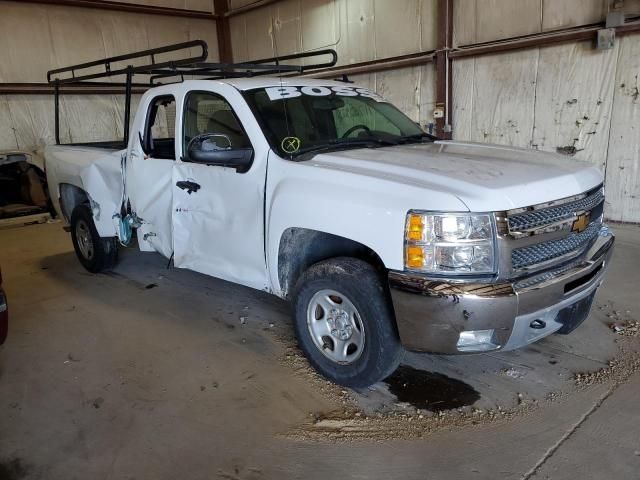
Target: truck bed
column 92, row 169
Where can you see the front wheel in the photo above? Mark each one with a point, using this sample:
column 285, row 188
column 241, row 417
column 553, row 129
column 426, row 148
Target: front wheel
column 95, row 253
column 345, row 324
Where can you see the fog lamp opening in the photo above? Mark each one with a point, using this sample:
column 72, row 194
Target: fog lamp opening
column 477, row 341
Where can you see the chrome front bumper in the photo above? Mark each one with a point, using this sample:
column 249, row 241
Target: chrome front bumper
column 432, row 314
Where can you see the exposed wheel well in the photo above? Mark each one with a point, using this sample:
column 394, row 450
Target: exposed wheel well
column 70, row 197
column 300, row 248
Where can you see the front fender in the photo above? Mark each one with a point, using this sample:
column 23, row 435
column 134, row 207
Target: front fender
column 370, row 211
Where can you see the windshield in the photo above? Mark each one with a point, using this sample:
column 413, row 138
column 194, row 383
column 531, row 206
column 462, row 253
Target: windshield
column 298, row 120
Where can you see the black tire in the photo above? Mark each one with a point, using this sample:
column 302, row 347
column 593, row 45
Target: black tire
column 364, row 289
column 102, row 254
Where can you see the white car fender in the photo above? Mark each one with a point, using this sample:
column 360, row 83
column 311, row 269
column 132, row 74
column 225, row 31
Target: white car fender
column 96, row 172
column 302, row 195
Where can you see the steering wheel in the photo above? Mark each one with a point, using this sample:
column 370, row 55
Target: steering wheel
column 355, row 128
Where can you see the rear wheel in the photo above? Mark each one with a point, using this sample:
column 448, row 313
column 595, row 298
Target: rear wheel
column 345, row 324
column 95, row 253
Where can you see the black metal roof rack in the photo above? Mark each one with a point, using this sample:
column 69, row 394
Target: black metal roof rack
column 152, row 64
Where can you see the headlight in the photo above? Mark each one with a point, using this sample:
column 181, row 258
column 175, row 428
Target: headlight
column 456, row 243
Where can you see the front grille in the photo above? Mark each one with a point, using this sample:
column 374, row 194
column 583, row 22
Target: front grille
column 546, row 216
column 545, row 251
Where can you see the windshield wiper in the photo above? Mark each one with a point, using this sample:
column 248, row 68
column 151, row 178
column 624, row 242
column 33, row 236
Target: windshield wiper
column 416, row 136
column 348, row 143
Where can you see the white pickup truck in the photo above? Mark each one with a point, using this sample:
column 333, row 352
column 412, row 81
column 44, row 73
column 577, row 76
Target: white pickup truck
column 323, row 193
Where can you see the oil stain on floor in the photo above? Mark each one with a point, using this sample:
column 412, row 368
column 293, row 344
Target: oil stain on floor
column 430, row 391
column 12, row 470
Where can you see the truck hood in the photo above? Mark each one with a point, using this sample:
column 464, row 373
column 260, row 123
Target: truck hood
column 484, row 177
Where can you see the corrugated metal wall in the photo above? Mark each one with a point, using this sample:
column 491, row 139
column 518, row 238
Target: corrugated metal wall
column 568, row 97
column 354, row 29
column 36, row 38
column 571, row 97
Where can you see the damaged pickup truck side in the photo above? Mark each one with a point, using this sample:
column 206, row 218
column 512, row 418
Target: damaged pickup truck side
column 321, row 192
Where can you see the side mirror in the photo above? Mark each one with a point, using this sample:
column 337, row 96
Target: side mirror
column 204, row 149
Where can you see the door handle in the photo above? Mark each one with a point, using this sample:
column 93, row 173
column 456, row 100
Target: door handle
column 188, row 186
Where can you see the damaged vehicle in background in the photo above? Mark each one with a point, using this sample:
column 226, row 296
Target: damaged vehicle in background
column 4, row 313
column 325, row 194
column 24, row 197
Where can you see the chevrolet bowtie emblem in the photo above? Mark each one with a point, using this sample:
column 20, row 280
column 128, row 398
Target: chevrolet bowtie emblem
column 580, row 223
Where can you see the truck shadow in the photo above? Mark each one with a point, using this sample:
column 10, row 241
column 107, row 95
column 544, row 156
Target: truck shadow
column 142, row 283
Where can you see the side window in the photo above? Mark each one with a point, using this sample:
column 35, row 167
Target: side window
column 210, row 113
column 160, row 130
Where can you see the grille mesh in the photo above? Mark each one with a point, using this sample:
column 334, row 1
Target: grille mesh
column 542, row 252
column 539, row 218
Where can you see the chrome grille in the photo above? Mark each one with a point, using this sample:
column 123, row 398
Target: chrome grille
column 539, row 218
column 545, row 251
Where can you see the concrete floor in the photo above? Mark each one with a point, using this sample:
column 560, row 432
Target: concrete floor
column 156, row 373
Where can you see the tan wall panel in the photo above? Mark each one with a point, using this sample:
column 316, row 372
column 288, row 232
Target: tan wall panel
column 410, row 89
column 429, row 24
column 574, row 96
column 574, row 100
column 571, row 13
column 257, row 26
column 360, row 30
column 319, row 28
column 89, row 118
column 427, row 96
column 33, row 120
column 204, row 30
column 75, row 35
column 60, row 36
column 397, row 27
column 463, row 94
column 239, row 44
column 367, row 80
column 623, row 165
column 8, row 138
column 122, row 34
column 202, row 5
column 503, row 98
column 36, row 38
column 235, row 4
column 506, row 18
column 632, row 7
column 357, row 31
column 464, row 22
column 486, row 20
column 287, row 27
column 25, row 43
column 402, row 88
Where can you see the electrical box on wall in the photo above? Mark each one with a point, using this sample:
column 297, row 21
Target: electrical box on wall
column 606, row 38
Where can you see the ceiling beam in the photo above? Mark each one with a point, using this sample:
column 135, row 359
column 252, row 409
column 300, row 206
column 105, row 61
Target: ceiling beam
column 252, row 6
column 373, row 66
column 126, row 7
column 569, row 35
